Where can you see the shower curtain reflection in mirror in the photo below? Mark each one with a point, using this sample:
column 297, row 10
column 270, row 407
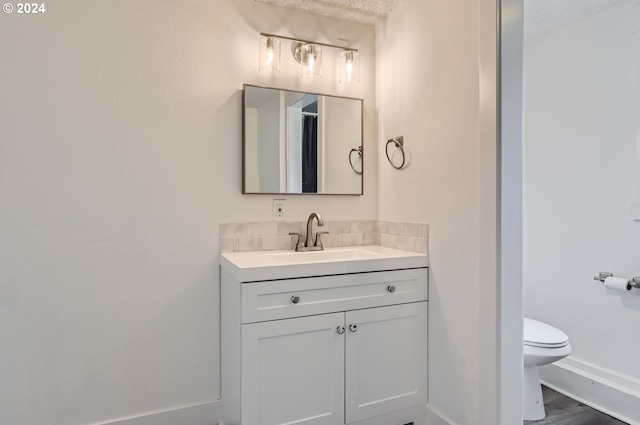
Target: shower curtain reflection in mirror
column 310, row 154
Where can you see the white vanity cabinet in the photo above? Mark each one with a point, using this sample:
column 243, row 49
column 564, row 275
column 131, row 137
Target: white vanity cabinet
column 292, row 371
column 325, row 350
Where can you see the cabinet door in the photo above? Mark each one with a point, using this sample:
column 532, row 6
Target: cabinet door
column 293, row 371
column 386, row 360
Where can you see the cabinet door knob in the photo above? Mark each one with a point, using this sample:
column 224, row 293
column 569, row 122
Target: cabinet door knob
column 353, row 327
column 295, row 299
column 340, row 330
column 391, row 288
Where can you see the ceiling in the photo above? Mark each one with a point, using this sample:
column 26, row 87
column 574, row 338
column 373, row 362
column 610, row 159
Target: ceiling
column 540, row 15
column 363, row 11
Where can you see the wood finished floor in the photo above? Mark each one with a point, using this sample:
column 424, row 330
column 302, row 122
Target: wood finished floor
column 562, row 410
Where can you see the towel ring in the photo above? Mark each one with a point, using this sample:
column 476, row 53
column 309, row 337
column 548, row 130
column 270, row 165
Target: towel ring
column 399, row 142
column 357, row 150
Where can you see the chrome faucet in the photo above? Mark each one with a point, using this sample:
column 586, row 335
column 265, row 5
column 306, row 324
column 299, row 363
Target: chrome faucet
column 307, row 242
column 311, row 243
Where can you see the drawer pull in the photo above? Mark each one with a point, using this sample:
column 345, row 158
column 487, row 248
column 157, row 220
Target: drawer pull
column 295, row 299
column 391, row 288
column 353, row 327
column 340, row 330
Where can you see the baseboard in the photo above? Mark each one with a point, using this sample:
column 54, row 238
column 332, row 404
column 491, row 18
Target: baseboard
column 209, row 414
column 603, row 390
column 200, row 414
column 436, row 417
column 622, row 383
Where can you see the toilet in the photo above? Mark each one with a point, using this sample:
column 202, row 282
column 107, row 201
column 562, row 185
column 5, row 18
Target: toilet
column 543, row 344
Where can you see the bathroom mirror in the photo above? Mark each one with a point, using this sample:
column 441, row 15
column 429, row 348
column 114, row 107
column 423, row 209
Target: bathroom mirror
column 301, row 143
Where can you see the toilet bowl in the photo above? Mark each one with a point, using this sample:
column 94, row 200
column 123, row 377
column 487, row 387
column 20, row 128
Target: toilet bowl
column 543, row 344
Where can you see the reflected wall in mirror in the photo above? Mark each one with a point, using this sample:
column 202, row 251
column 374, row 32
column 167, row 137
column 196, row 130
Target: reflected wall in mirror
column 300, row 143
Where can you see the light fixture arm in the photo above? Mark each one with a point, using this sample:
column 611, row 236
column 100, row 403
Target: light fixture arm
column 335, row 46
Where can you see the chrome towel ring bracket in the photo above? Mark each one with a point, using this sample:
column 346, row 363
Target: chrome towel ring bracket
column 399, row 144
column 357, row 150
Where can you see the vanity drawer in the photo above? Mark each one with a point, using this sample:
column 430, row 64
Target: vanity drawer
column 280, row 299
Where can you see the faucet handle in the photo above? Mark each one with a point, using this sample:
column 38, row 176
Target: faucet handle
column 318, row 241
column 297, row 240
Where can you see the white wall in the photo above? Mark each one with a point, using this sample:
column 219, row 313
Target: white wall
column 269, row 147
column 340, row 135
column 580, row 170
column 120, row 154
column 428, row 91
column 252, row 177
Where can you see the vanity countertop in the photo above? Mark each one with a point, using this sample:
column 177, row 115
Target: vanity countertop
column 270, row 265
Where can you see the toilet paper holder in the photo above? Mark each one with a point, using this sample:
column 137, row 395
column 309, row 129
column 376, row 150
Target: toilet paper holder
column 634, row 282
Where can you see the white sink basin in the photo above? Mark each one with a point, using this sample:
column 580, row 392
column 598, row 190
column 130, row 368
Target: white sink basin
column 323, row 256
column 271, row 265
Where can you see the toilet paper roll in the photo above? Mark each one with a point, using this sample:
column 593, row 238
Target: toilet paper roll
column 617, row 283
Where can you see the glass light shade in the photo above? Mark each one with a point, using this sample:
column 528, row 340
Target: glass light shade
column 311, row 61
column 349, row 67
column 269, row 55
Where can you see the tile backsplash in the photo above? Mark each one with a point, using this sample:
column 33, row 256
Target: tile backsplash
column 274, row 235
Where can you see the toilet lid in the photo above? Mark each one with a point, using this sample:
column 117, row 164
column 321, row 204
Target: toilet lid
column 538, row 334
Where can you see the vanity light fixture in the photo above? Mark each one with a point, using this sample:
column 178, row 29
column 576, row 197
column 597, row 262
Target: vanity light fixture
column 349, row 69
column 269, row 55
column 309, row 55
column 310, row 58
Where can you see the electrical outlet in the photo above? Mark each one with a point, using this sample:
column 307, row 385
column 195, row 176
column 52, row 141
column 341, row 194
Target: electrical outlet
column 278, row 209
